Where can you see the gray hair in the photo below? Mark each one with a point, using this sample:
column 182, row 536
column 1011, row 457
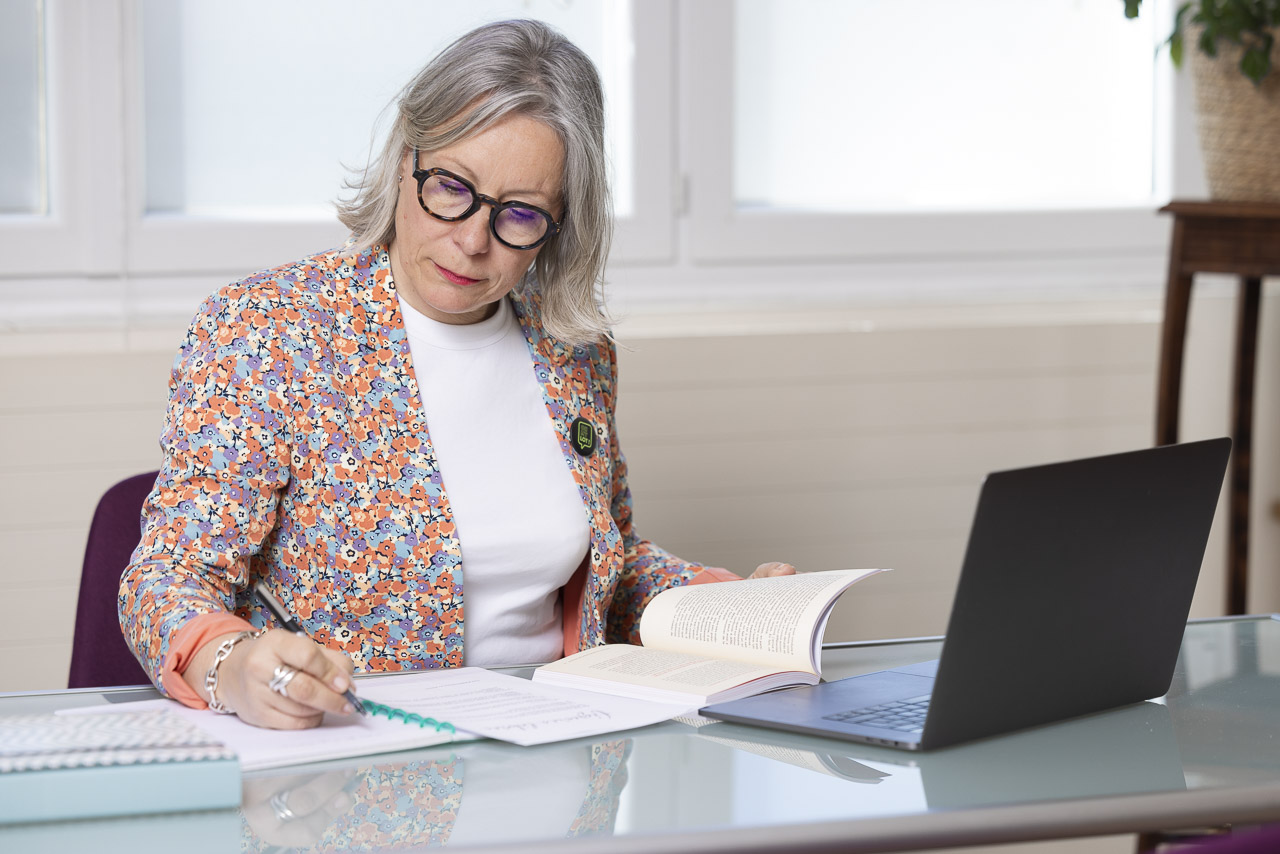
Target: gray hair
column 498, row 70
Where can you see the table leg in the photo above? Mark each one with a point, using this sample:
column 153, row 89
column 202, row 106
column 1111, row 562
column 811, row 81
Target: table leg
column 1173, row 335
column 1242, row 443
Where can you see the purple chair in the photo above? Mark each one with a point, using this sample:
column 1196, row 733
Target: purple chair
column 1263, row 841
column 99, row 655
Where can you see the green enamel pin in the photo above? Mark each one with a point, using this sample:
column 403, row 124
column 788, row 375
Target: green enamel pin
column 582, row 435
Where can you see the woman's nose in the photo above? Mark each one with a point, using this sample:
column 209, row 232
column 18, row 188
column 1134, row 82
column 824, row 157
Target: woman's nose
column 472, row 234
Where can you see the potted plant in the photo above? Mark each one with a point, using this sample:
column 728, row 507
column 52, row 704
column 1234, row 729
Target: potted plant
column 1237, row 91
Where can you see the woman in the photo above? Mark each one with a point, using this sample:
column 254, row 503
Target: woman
column 362, row 428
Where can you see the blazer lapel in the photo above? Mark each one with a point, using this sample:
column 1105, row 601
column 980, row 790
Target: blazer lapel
column 576, row 405
column 414, row 564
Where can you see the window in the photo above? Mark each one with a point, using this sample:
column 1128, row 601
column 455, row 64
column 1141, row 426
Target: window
column 264, row 123
column 23, row 173
column 829, row 131
column 258, row 121
column 877, row 106
column 163, row 145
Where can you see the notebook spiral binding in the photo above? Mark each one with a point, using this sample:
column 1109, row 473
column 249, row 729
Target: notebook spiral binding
column 391, row 713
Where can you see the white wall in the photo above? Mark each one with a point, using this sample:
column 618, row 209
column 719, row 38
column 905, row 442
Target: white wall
column 829, row 438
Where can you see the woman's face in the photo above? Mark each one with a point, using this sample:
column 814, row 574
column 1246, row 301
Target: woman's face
column 455, row 272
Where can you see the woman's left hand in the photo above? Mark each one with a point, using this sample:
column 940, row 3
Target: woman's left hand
column 768, row 570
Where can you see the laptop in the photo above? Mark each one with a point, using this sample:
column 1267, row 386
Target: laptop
column 1073, row 596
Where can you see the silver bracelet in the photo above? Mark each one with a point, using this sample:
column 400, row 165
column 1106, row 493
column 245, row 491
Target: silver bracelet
column 211, row 676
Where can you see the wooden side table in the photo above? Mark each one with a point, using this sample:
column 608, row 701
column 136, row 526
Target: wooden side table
column 1242, row 238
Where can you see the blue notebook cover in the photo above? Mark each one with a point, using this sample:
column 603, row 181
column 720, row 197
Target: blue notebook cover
column 132, row 763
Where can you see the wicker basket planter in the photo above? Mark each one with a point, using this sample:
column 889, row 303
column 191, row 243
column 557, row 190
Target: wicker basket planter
column 1238, row 124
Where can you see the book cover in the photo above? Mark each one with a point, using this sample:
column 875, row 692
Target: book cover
column 134, row 763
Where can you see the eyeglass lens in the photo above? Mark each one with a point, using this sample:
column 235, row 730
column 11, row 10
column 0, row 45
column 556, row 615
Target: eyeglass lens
column 448, row 197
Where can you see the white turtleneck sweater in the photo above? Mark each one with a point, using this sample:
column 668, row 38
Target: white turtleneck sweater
column 521, row 522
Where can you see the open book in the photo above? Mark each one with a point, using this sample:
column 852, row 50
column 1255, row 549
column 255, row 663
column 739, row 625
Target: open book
column 710, row 643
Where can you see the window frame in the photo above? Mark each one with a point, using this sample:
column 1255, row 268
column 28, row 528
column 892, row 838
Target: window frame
column 97, row 256
column 81, row 234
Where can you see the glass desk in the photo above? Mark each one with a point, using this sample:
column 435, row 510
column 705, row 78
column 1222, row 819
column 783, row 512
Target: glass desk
column 1207, row 753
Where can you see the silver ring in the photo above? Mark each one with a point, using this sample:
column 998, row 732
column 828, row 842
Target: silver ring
column 280, row 803
column 281, row 679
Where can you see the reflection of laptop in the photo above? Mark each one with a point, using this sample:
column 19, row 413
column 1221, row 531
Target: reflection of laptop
column 1131, row 750
column 1073, row 596
column 1126, row 751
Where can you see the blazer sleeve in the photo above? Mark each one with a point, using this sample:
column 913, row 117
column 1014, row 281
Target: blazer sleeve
column 226, row 457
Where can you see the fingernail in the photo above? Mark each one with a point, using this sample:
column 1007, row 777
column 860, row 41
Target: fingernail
column 341, row 684
column 348, row 709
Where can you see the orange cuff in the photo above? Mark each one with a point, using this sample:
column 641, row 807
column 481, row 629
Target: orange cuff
column 712, row 574
column 187, row 641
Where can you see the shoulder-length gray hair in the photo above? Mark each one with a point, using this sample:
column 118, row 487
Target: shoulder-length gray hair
column 498, row 70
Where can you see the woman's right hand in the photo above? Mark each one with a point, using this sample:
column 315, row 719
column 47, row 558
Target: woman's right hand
column 295, row 811
column 244, row 679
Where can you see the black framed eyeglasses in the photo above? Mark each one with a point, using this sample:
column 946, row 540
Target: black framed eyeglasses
column 451, row 198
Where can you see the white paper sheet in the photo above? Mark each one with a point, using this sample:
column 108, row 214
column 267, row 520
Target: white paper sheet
column 513, row 709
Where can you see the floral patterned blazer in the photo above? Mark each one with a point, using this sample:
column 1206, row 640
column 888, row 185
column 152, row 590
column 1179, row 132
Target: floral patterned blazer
column 296, row 451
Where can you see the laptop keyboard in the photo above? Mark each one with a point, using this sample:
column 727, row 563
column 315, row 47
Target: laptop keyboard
column 900, row 715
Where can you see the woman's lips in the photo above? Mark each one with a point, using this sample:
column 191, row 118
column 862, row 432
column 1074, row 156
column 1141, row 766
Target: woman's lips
column 454, row 277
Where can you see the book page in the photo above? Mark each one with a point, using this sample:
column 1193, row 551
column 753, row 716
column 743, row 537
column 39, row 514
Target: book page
column 770, row 622
column 659, row 671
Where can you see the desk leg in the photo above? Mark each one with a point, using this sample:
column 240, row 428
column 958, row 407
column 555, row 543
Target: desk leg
column 1173, row 335
column 1242, row 447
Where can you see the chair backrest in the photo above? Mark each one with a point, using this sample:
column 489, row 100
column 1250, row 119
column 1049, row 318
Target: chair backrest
column 99, row 655
column 1262, row 841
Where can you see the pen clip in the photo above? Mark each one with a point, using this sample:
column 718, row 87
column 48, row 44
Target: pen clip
column 274, row 606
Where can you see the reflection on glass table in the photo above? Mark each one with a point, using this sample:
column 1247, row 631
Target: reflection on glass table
column 475, row 794
column 1205, row 753
column 1127, row 751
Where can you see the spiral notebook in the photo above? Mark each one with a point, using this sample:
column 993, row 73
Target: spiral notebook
column 386, row 729
column 82, row 766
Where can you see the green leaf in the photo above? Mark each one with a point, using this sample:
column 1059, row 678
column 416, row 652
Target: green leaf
column 1208, row 42
column 1255, row 64
column 1249, row 23
column 1180, row 18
